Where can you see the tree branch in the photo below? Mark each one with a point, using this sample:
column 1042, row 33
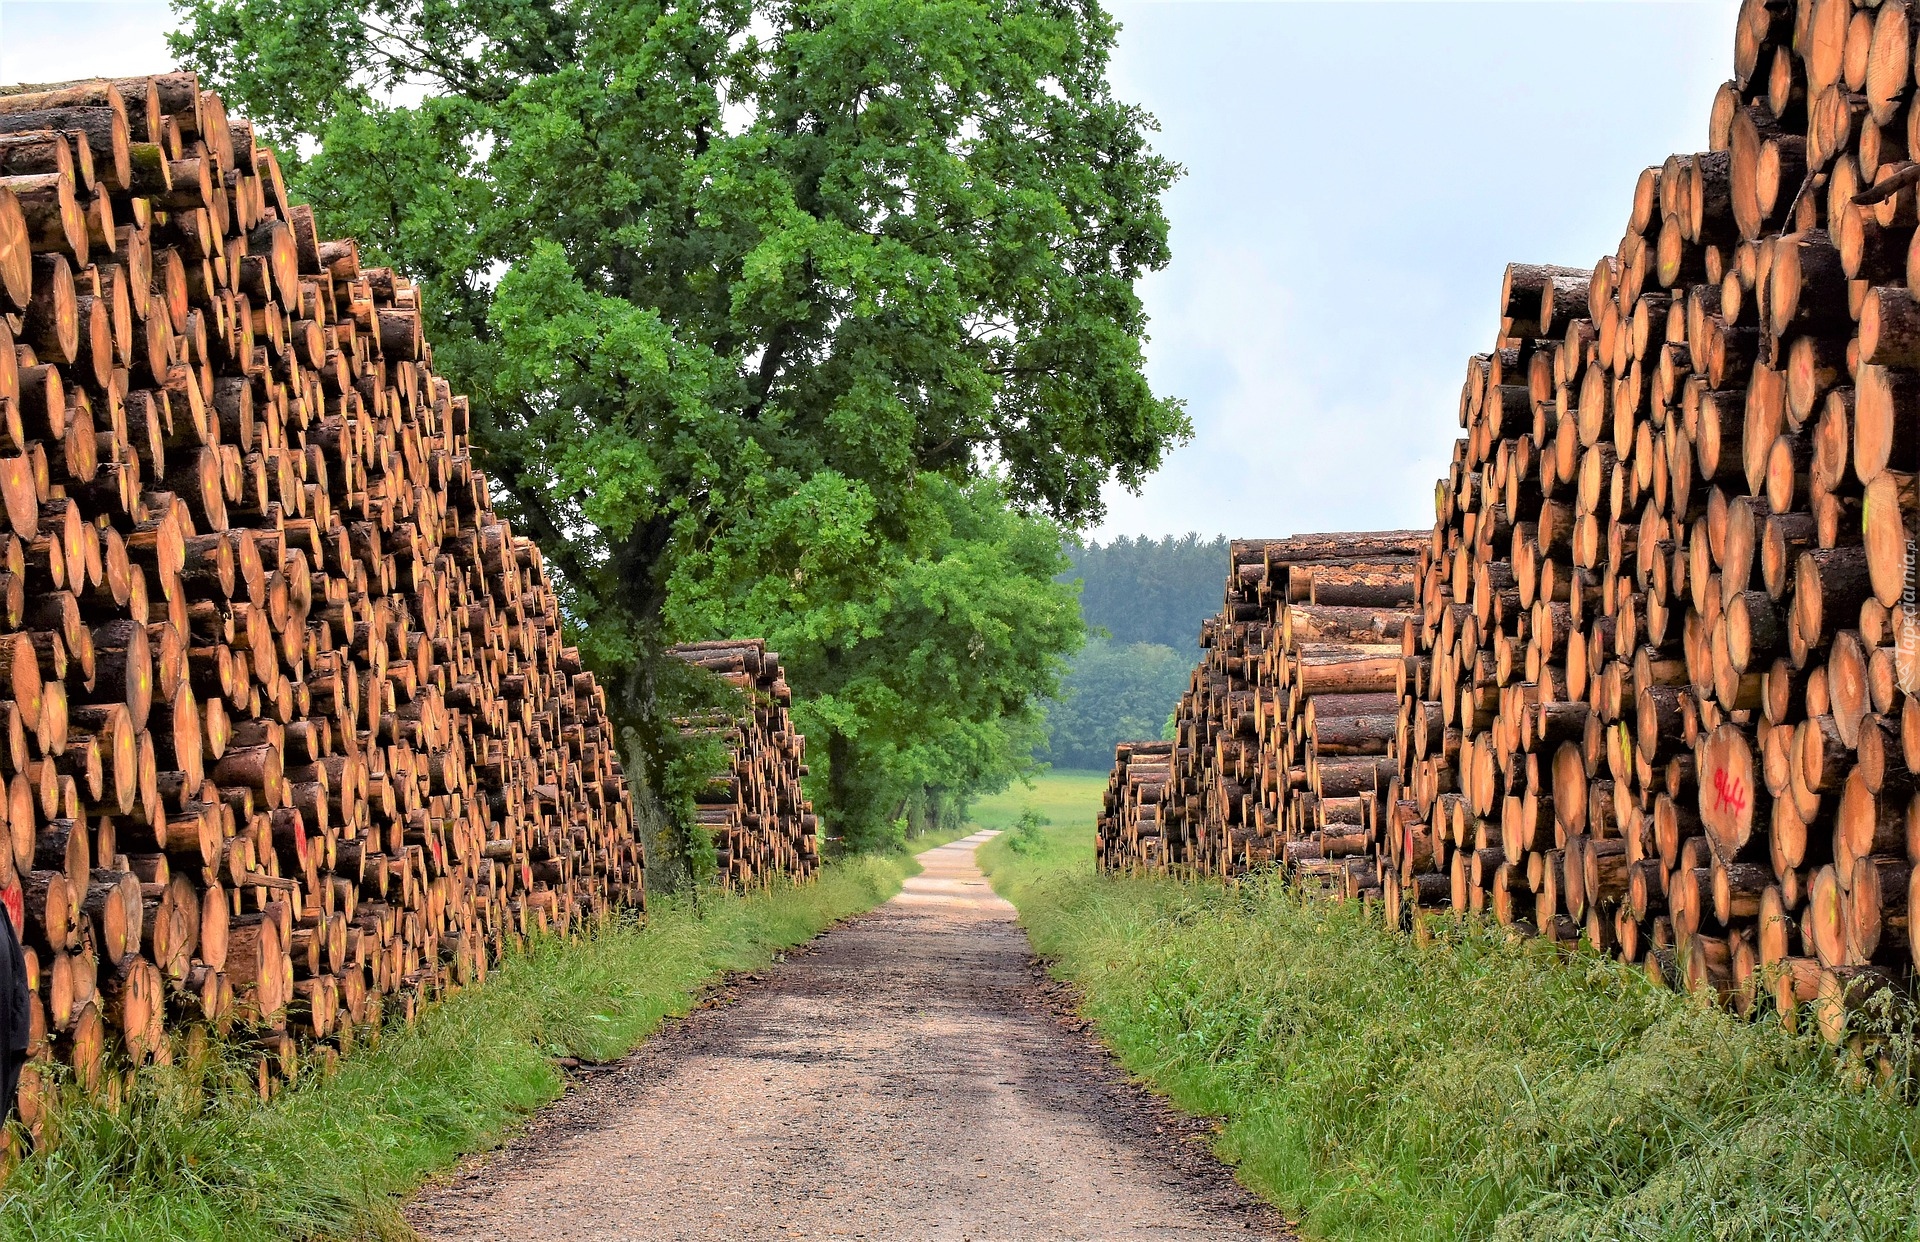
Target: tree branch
column 451, row 76
column 771, row 360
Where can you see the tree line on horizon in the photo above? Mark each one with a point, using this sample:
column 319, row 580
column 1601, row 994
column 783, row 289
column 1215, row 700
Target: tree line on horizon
column 1143, row 600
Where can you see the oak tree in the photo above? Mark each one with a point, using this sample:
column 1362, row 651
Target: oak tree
column 791, row 316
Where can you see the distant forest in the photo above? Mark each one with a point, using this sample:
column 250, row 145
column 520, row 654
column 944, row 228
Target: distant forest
column 1151, row 590
column 1149, row 596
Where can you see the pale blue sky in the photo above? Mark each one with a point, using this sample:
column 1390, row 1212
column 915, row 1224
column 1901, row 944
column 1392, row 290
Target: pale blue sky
column 1357, row 176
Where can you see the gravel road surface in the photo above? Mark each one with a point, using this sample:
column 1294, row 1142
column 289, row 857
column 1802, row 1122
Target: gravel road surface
column 912, row 1074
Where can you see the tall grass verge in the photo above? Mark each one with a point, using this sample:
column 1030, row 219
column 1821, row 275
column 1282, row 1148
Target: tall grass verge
column 189, row 1157
column 1469, row 1086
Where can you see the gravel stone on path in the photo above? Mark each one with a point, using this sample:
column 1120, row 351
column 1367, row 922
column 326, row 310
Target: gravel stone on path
column 913, row 1074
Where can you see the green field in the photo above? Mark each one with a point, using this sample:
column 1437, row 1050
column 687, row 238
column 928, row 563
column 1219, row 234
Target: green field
column 1471, row 1086
column 1067, row 799
column 192, row 1157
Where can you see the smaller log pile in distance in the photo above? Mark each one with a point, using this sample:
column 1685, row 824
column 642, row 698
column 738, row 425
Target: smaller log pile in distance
column 1247, row 779
column 1132, row 830
column 1330, row 669
column 289, row 734
column 762, row 823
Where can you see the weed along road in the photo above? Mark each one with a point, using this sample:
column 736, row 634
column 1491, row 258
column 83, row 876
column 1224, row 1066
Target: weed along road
column 906, row 1077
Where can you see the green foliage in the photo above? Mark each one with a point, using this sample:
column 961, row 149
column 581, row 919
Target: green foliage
column 1024, row 838
column 186, row 1159
column 1112, row 694
column 1142, row 590
column 923, row 660
column 1149, row 597
column 1476, row 1087
column 693, row 766
column 771, row 311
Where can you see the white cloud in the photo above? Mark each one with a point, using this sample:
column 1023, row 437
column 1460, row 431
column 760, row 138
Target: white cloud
column 1235, row 338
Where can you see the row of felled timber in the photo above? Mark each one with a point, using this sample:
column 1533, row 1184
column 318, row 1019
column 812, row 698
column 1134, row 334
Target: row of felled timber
column 290, row 737
column 1287, row 721
column 1652, row 684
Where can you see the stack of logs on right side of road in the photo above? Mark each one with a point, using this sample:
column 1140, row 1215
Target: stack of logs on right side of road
column 1131, row 833
column 1329, row 676
column 760, row 820
column 1282, row 737
column 1660, row 688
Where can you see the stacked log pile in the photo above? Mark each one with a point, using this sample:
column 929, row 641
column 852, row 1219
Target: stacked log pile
column 1205, row 807
column 290, row 735
column 1661, row 693
column 1663, row 701
column 760, row 820
column 1328, row 676
column 1212, row 813
column 1311, row 631
column 1131, row 831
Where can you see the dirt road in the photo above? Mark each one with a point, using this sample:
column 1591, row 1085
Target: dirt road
column 907, row 1077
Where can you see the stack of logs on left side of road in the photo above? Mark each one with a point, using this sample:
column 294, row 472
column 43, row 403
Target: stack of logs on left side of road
column 760, row 819
column 290, row 736
column 1282, row 738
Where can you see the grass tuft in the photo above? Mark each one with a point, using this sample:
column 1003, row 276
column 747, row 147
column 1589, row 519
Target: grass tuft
column 189, row 1156
column 1473, row 1086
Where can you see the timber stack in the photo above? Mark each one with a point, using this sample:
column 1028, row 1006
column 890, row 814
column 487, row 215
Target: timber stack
column 1328, row 679
column 291, row 737
column 1216, row 750
column 1131, row 834
column 761, row 822
column 1663, row 701
column 1312, row 630
column 1661, row 688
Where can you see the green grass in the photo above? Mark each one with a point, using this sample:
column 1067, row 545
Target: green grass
column 1471, row 1086
column 189, row 1159
column 1063, row 797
